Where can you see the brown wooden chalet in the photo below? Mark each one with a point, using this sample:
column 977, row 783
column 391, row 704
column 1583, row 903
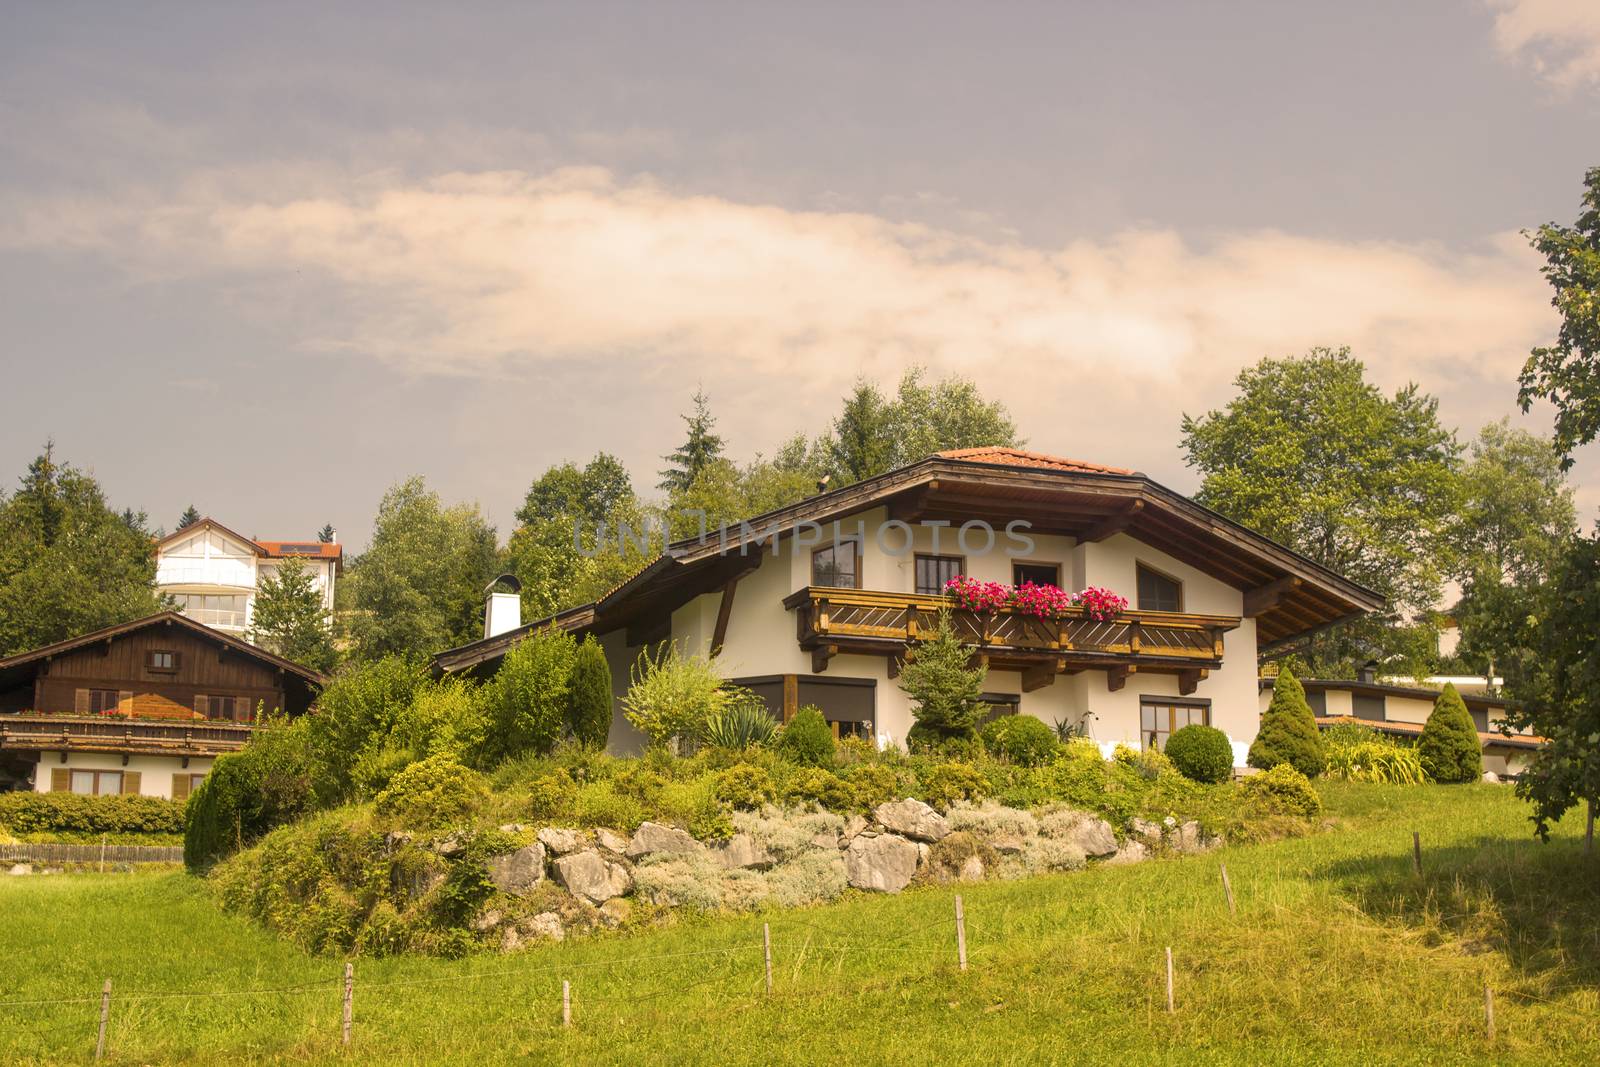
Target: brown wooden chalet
column 164, row 685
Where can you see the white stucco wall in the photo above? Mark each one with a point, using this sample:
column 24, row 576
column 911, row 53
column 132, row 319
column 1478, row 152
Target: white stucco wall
column 155, row 772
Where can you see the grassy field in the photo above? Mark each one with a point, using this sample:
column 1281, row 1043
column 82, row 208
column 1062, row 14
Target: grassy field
column 1338, row 953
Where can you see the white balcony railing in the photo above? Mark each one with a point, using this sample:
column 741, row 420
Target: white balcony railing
column 222, row 620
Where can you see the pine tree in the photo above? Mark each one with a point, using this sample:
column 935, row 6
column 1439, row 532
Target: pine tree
column 1288, row 731
column 1449, row 747
column 863, row 436
column 702, row 448
column 326, row 535
column 946, row 694
column 589, row 710
column 189, row 517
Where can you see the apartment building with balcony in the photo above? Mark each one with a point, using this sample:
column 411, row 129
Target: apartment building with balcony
column 213, row 573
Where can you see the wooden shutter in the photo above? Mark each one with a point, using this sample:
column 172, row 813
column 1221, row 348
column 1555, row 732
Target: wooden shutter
column 61, row 778
column 125, row 701
column 130, row 781
column 80, row 702
column 202, row 706
column 180, row 786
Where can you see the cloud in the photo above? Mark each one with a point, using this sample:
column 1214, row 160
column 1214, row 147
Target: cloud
column 1097, row 346
column 1559, row 39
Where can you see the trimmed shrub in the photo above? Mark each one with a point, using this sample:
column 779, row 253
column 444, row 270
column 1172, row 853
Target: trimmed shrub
column 949, row 782
column 354, row 715
column 1022, row 739
column 821, row 787
column 926, row 741
column 1288, row 731
column 73, row 813
column 433, row 794
column 589, row 695
column 1282, row 790
column 743, row 722
column 873, row 784
column 808, row 739
column 744, row 787
column 527, row 699
column 1449, row 746
column 1201, row 753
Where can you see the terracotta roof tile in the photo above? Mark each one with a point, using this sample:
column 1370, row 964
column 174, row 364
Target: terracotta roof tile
column 1016, row 457
column 302, row 549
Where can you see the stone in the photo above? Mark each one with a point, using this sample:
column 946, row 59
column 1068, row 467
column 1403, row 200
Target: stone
column 1132, row 852
column 1491, row 777
column 883, row 863
column 449, row 846
column 591, row 876
column 395, row 838
column 512, row 828
column 21, row 868
column 510, row 939
column 615, row 912
column 421, row 883
column 519, row 871
column 652, row 837
column 972, row 870
column 488, row 920
column 559, row 841
column 742, row 851
column 828, row 841
column 913, row 819
column 547, row 924
column 1094, row 836
column 1146, row 829
column 853, row 826
column 1008, row 844
column 1190, row 838
column 610, row 841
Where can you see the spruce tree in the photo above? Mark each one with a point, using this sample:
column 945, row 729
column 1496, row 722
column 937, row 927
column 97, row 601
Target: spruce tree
column 1288, row 731
column 189, row 517
column 325, row 535
column 946, row 694
column 698, row 451
column 1450, row 749
column 589, row 707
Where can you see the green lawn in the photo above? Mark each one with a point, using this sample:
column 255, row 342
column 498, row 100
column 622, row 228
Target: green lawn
column 1338, row 954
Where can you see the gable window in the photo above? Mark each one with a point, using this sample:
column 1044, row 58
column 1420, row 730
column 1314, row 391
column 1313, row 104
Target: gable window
column 837, row 565
column 1160, row 717
column 1159, row 592
column 934, row 571
column 161, row 660
column 1037, row 573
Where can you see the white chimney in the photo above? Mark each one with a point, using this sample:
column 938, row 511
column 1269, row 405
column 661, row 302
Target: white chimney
column 502, row 611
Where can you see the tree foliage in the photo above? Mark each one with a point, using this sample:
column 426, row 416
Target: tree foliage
column 1288, row 732
column 873, row 433
column 1449, row 746
column 1311, row 455
column 69, row 564
column 702, row 446
column 946, row 693
column 419, row 587
column 1567, row 373
column 289, row 618
column 528, row 699
column 589, row 714
column 672, row 696
column 189, row 517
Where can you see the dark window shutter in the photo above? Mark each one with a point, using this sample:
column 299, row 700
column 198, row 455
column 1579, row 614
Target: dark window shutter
column 202, row 706
column 80, row 702
column 61, row 778
column 130, row 781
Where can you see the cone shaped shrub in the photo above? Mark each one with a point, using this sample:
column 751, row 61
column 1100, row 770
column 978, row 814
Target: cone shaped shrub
column 1288, row 731
column 589, row 696
column 1450, row 749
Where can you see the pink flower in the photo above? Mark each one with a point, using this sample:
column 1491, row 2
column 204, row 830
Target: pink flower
column 1100, row 604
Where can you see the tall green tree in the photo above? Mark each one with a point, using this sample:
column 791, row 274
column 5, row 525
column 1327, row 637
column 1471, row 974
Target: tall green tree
column 418, row 588
column 69, row 564
column 571, row 544
column 1515, row 521
column 1449, row 745
column 725, row 493
column 189, row 517
column 701, row 447
column 1567, row 373
column 1313, row 456
column 1288, row 732
column 862, row 443
column 325, row 535
column 874, row 433
column 946, row 691
column 289, row 619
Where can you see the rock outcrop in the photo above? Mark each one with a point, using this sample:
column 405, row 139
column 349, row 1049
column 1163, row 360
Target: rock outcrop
column 882, row 863
column 592, row 877
column 519, row 871
column 913, row 819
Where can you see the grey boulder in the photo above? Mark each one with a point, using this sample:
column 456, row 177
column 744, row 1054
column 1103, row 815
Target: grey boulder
column 592, row 877
column 652, row 837
column 913, row 819
column 519, row 871
column 560, row 841
column 883, row 863
column 742, row 851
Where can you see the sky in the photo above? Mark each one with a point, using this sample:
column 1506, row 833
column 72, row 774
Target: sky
column 273, row 260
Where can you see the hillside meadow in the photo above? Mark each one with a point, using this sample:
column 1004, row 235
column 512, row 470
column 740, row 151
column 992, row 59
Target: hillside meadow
column 1338, row 953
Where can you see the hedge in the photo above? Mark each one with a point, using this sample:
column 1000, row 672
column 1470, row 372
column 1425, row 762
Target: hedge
column 76, row 813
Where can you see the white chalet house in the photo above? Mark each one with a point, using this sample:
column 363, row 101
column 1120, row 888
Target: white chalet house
column 821, row 602
column 213, row 573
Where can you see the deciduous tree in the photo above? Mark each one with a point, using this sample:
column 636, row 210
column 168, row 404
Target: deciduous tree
column 290, row 620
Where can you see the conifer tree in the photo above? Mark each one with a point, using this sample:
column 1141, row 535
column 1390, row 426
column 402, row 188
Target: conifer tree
column 698, row 451
column 1288, row 731
column 1450, row 749
column 946, row 693
column 189, row 517
column 589, row 710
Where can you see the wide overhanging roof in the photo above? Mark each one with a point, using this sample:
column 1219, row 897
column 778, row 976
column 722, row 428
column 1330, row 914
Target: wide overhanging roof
column 1289, row 595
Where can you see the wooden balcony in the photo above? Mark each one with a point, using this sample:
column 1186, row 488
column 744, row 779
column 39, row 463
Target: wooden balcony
column 31, row 732
column 829, row 621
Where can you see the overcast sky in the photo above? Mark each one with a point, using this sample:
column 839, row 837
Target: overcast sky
column 274, row 261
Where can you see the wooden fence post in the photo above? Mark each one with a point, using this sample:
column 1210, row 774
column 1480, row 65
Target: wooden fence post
column 766, row 945
column 961, row 934
column 349, row 997
column 1588, row 832
column 1488, row 1012
column 1170, row 1007
column 105, row 1016
column 102, row 853
column 1227, row 888
column 1416, row 852
column 566, row 1002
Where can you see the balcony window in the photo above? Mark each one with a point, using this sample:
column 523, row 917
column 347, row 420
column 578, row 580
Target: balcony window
column 103, row 701
column 224, row 707
column 213, row 609
column 1037, row 573
column 933, row 572
column 1159, row 592
column 1159, row 717
column 837, row 566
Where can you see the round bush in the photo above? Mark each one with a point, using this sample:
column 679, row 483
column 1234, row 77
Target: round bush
column 820, row 787
column 1201, row 753
column 434, row 793
column 1022, row 739
column 949, row 782
column 808, row 739
column 1282, row 791
column 744, row 787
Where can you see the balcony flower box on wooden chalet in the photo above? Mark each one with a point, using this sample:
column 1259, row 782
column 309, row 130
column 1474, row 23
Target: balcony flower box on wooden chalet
column 830, row 620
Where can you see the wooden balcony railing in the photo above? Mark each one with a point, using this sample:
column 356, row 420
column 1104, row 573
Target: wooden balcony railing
column 869, row 620
column 181, row 738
